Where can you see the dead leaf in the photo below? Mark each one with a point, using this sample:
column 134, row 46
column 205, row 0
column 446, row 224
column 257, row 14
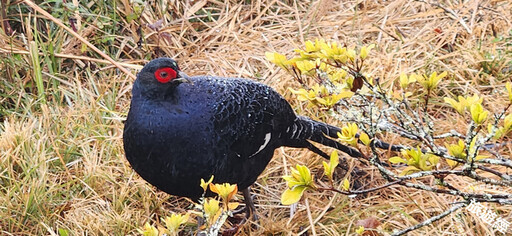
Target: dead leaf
column 157, row 25
column 369, row 223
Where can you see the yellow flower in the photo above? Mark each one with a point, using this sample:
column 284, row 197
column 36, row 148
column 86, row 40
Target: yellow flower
column 329, row 167
column 314, row 46
column 507, row 123
column 226, row 191
column 312, row 49
column 174, row 222
column 432, row 81
column 360, row 230
column 406, row 80
column 148, row 230
column 457, row 150
column 319, row 95
column 300, row 176
column 204, row 184
column 416, row 161
column 458, row 106
column 452, row 163
column 337, row 75
column 346, row 185
column 303, row 94
column 351, row 54
column 306, row 67
column 478, row 114
column 365, row 50
column 469, row 101
column 348, row 134
column 276, row 58
column 332, row 51
column 211, row 208
column 463, row 103
column 300, row 180
column 320, row 90
column 310, row 46
column 331, row 100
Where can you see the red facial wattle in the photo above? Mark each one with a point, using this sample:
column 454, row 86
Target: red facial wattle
column 164, row 75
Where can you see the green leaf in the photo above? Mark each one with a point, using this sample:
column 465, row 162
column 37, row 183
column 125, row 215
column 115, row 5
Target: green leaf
column 409, row 170
column 63, row 232
column 130, row 17
column 508, row 86
column 478, row 114
column 327, row 170
column 364, row 138
column 452, row 163
column 305, row 174
column 291, row 196
column 334, row 160
column 395, row 160
column 276, row 58
column 346, row 185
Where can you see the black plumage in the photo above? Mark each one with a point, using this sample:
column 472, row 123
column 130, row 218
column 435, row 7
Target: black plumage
column 180, row 129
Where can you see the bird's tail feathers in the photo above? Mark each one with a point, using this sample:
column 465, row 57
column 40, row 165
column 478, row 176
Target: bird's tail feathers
column 305, row 129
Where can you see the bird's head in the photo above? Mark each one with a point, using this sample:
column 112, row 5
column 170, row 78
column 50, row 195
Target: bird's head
column 160, row 76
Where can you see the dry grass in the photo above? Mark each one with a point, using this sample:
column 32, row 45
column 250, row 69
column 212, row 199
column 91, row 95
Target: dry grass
column 62, row 166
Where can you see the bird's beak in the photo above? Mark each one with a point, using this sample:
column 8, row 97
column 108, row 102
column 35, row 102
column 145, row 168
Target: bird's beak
column 183, row 78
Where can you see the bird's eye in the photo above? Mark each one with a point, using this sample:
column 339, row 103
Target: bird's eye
column 164, row 75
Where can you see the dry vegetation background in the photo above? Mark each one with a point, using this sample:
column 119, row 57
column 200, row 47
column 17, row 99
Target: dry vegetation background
column 62, row 165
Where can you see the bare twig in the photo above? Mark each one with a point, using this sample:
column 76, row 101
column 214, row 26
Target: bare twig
column 431, row 219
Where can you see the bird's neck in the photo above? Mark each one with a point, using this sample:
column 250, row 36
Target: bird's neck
column 142, row 93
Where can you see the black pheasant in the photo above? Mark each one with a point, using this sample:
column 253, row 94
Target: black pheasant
column 180, row 129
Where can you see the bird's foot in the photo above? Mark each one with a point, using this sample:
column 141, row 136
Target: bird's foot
column 249, row 209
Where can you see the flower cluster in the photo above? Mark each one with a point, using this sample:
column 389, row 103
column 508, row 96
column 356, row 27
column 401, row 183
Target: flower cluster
column 300, row 180
column 333, row 80
column 327, row 61
column 213, row 211
column 416, row 160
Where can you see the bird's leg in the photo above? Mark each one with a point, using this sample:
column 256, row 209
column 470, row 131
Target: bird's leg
column 250, row 209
